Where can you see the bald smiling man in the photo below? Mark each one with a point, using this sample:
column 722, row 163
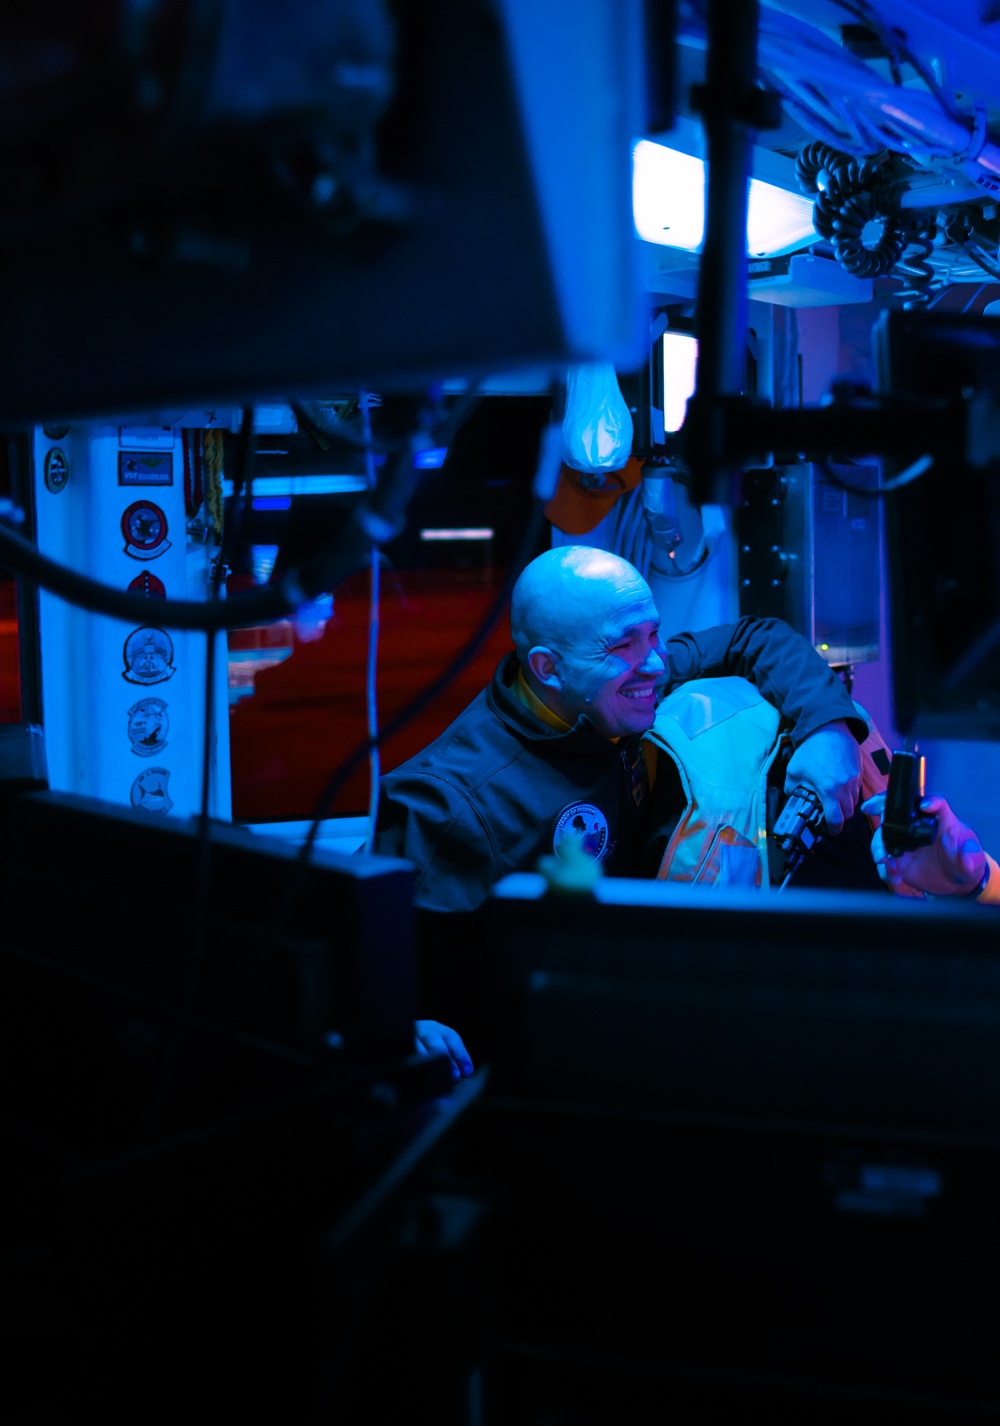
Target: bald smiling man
column 551, row 750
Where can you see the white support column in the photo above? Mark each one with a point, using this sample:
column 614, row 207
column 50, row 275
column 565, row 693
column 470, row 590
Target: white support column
column 123, row 704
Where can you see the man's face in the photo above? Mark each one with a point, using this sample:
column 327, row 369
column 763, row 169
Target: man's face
column 612, row 666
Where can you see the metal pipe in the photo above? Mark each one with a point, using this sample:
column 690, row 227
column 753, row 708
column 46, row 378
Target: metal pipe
column 731, row 75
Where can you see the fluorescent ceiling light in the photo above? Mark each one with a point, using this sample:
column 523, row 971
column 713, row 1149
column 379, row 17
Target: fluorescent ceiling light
column 277, row 485
column 668, row 205
column 680, row 358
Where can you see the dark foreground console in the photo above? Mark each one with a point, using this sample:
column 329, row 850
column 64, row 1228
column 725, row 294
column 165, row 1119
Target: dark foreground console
column 216, row 1132
column 751, row 1149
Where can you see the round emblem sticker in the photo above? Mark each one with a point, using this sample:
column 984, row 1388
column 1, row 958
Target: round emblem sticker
column 149, row 585
column 144, row 527
column 585, row 824
column 149, row 791
column 55, row 471
column 148, row 726
column 149, row 656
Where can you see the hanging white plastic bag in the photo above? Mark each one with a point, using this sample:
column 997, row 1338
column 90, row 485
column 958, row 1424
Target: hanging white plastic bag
column 597, row 426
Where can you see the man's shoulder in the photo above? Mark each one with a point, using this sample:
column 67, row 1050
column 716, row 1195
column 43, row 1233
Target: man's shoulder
column 472, row 749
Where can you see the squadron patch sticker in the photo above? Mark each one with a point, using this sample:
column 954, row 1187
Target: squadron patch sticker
column 148, row 726
column 144, row 526
column 55, row 471
column 145, row 468
column 149, row 791
column 149, row 585
column 585, row 824
column 149, row 656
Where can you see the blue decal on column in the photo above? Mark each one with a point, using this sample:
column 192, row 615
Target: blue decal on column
column 149, row 656
column 148, row 726
column 144, row 527
column 147, row 584
column 145, row 468
column 55, row 472
column 149, row 791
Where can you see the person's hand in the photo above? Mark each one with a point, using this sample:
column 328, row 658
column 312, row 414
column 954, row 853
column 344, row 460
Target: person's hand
column 433, row 1038
column 828, row 761
column 952, row 865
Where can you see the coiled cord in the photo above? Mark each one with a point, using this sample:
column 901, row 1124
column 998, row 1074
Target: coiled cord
column 849, row 247
column 915, row 267
column 850, row 194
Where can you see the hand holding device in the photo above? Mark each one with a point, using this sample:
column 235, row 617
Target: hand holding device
column 828, row 762
column 905, row 827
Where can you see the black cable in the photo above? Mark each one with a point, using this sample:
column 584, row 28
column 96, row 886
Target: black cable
column 906, row 477
column 373, row 522
column 417, row 705
column 896, row 45
column 991, row 268
column 313, row 414
column 916, row 268
column 446, row 429
column 973, row 299
column 234, row 537
column 258, row 606
column 199, row 931
column 854, row 193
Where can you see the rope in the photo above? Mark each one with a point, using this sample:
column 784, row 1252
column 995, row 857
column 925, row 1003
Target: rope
column 212, row 448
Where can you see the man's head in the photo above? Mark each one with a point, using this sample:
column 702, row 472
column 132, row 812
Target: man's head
column 587, row 636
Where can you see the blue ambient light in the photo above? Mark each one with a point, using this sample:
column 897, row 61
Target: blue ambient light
column 430, row 459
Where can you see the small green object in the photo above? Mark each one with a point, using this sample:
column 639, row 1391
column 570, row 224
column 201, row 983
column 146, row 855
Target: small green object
column 574, row 872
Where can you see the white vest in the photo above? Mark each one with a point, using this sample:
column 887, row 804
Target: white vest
column 724, row 737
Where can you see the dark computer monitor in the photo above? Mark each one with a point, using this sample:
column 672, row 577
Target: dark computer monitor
column 154, row 982
column 842, row 1011
column 752, row 1144
column 943, row 530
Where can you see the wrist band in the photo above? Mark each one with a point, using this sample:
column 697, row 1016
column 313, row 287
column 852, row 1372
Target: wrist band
column 975, row 895
column 972, row 895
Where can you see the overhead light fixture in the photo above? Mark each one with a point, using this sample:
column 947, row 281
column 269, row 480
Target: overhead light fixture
column 483, row 532
column 668, row 204
column 271, row 487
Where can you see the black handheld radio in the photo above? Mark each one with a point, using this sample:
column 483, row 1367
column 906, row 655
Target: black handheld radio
column 904, row 826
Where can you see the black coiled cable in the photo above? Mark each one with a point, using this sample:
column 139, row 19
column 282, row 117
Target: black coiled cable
column 849, row 247
column 915, row 267
column 850, row 193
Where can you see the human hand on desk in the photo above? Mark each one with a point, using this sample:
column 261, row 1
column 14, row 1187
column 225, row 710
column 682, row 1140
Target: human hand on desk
column 953, row 865
column 829, row 762
column 433, row 1038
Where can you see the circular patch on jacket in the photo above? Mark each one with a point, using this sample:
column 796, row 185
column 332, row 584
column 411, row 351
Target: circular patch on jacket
column 586, row 825
column 144, row 526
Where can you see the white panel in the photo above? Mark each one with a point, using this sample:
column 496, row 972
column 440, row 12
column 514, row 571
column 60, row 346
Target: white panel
column 580, row 80
column 87, row 688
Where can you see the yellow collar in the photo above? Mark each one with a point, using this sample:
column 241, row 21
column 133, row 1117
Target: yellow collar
column 534, row 704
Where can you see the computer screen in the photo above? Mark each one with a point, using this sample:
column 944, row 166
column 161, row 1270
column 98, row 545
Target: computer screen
column 943, row 532
column 840, row 1011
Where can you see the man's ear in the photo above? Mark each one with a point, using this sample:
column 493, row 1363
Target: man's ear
column 542, row 663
